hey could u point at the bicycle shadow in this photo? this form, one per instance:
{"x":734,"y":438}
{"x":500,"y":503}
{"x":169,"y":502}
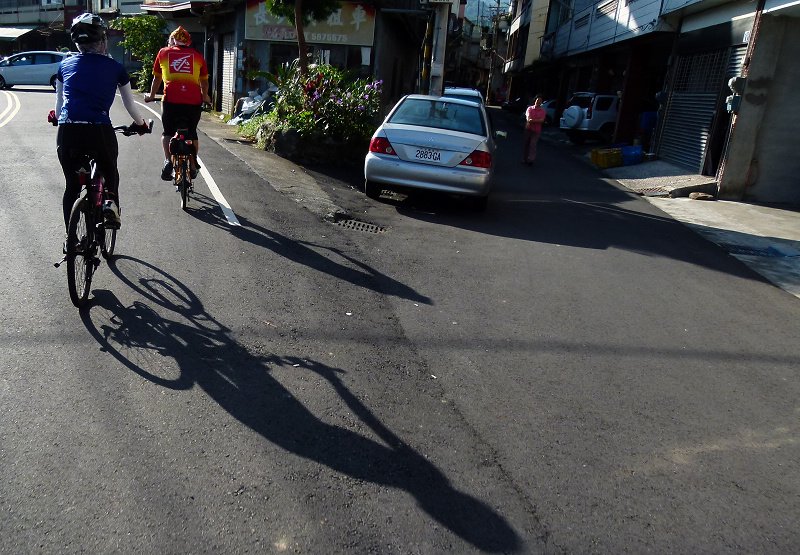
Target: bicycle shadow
{"x":307,"y":253}
{"x":242,"y":384}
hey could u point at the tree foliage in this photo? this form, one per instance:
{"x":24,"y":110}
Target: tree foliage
{"x":300,"y":13}
{"x":144,"y":36}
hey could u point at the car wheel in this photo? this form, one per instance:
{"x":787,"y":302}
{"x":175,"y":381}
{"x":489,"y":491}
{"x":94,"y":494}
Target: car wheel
{"x":479,"y":204}
{"x":2,"y":83}
{"x":607,"y":133}
{"x":53,"y":82}
{"x":576,"y":138}
{"x":372,"y":190}
{"x":572,"y":116}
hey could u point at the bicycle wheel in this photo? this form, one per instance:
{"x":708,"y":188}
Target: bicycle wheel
{"x":80,"y":262}
{"x":109,"y":242}
{"x":184,"y":185}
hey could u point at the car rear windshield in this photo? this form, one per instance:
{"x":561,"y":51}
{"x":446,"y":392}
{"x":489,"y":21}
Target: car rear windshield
{"x":582,"y":101}
{"x":440,"y":114}
{"x":470,"y":97}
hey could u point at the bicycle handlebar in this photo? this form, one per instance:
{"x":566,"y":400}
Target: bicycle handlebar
{"x":126,"y":130}
{"x":133,"y":129}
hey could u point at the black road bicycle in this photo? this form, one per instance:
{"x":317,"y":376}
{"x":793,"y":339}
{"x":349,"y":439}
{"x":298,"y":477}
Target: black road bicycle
{"x":88,"y":231}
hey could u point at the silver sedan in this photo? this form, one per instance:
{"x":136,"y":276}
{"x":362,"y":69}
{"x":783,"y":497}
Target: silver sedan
{"x":433,"y":143}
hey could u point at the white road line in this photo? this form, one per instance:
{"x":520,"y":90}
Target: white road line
{"x":223,"y":204}
{"x":13,"y":107}
{"x":212,"y":185}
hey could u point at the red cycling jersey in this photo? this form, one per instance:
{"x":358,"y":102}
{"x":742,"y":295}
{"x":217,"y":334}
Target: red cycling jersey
{"x":182,"y":69}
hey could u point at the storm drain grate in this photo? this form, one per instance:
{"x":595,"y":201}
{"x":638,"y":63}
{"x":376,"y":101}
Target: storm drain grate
{"x":653,"y":192}
{"x":360,"y":226}
{"x":753,"y":251}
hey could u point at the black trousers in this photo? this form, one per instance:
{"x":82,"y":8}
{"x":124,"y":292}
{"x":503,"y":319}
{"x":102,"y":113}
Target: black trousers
{"x":75,"y":140}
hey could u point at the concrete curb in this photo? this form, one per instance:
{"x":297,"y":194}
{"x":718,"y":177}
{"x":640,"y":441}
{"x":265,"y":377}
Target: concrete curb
{"x":283,"y":175}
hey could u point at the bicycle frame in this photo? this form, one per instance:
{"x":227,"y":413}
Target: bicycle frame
{"x":181,"y":153}
{"x":87,"y":229}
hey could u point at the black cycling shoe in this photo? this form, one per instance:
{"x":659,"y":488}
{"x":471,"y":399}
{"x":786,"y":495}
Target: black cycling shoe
{"x":193,"y":172}
{"x":166,"y":171}
{"x":77,"y":250}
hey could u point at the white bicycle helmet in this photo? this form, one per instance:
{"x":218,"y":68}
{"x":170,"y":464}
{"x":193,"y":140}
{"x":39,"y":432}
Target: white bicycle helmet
{"x":87,"y":28}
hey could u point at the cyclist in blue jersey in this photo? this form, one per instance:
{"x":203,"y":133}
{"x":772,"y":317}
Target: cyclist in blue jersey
{"x":86,"y":85}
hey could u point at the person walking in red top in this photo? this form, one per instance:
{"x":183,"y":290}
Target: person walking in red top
{"x":534,"y":118}
{"x":184,"y":73}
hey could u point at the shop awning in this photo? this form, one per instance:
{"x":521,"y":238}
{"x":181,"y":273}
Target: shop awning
{"x":13,"y":33}
{"x":190,"y":7}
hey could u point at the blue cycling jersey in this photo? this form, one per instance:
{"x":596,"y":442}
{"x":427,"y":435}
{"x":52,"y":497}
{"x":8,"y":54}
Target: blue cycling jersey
{"x":90,"y":83}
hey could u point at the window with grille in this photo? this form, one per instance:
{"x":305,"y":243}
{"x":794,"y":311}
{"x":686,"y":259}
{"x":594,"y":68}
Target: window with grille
{"x":701,"y":73}
{"x":606,"y":10}
{"x":582,"y":21}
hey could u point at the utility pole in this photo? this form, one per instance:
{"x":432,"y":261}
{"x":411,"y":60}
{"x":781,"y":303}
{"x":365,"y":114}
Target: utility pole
{"x":427,"y":55}
{"x":442,"y":19}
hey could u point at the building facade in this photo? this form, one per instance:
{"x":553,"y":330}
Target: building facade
{"x":677,"y":58}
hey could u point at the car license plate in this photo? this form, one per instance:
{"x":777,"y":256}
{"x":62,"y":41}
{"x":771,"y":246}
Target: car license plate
{"x":428,"y":154}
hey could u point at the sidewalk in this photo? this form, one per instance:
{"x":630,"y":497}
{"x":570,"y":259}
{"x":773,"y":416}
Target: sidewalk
{"x":767,"y":239}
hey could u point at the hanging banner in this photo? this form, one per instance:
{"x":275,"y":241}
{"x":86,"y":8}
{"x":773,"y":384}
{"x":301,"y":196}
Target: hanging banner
{"x":352,"y":24}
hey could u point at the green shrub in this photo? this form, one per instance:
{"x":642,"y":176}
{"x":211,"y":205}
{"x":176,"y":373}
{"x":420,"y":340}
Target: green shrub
{"x":327,"y":105}
{"x":250,"y":128}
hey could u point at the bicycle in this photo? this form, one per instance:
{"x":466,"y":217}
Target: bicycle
{"x":88,"y":231}
{"x":181,"y":151}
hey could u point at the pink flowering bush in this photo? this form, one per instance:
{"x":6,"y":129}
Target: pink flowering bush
{"x":327,"y":103}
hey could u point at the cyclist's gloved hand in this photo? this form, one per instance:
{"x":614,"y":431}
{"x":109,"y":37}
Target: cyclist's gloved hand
{"x":51,"y":118}
{"x":140,"y":129}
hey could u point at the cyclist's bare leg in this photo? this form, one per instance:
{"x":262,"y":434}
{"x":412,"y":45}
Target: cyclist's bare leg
{"x":165,"y":146}
{"x":194,"y":163}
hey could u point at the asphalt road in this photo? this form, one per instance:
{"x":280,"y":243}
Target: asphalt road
{"x":571,"y":371}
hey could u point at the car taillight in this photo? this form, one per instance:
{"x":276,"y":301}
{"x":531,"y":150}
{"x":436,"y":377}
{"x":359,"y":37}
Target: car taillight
{"x":478,"y":159}
{"x":381,"y":145}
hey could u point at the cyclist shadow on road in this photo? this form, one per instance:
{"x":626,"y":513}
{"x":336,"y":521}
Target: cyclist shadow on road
{"x":242,"y":383}
{"x":309,"y":254}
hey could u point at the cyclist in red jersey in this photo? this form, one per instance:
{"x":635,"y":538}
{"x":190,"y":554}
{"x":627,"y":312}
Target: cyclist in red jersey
{"x":184,"y":73}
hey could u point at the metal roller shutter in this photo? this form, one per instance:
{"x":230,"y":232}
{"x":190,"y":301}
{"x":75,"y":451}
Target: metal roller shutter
{"x":690,"y":108}
{"x":228,"y":73}
{"x":736,"y":61}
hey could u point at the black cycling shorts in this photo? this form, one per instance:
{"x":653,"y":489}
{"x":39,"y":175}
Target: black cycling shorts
{"x":180,"y":116}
